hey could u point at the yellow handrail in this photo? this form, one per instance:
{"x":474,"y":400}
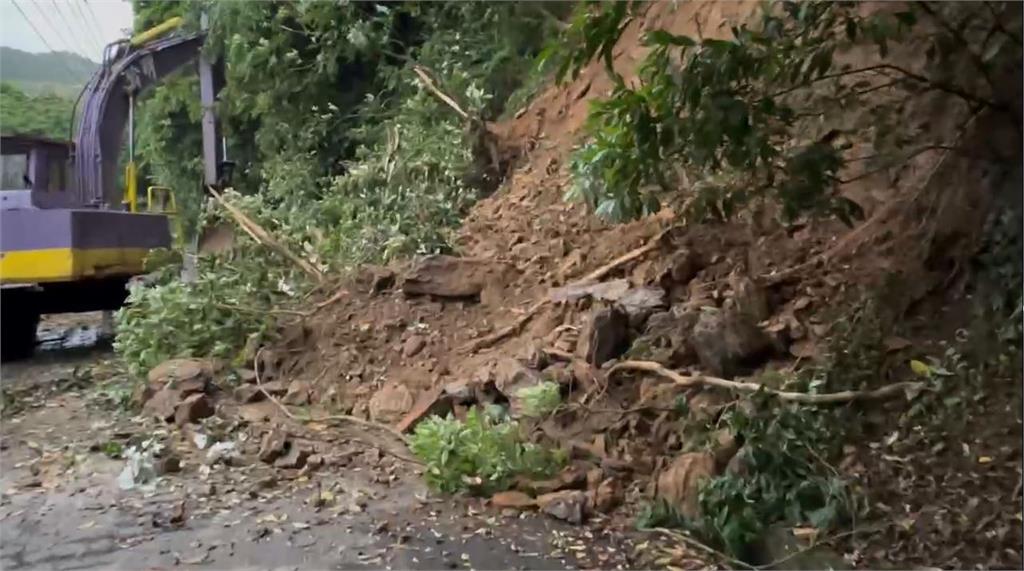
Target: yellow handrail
{"x":170,"y":195}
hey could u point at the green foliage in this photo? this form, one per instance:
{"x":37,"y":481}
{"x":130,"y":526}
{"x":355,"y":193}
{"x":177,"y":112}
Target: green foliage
{"x":540,"y":400}
{"x":113,"y":449}
{"x":342,"y":155}
{"x":756,"y":117}
{"x":46,"y":115}
{"x":659,"y":513}
{"x":786,"y":480}
{"x":211,"y":317}
{"x":483,"y":454}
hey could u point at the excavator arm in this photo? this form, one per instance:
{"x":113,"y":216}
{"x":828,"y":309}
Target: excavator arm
{"x":131,"y":67}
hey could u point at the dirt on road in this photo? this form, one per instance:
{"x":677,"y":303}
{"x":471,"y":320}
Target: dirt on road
{"x":67,"y":438}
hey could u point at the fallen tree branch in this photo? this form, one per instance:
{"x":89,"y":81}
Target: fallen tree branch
{"x":558,"y":354}
{"x":428,"y":82}
{"x":263,"y":237}
{"x":748,"y":387}
{"x":338,"y":417}
{"x":504,"y":332}
{"x":653,"y":244}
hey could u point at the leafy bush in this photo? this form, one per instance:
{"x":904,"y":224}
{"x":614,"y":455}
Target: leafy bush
{"x":342,"y":155}
{"x":786,"y":479}
{"x":483,"y":454}
{"x":540,"y":400}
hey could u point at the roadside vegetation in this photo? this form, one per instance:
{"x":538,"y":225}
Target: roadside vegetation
{"x":344,"y":155}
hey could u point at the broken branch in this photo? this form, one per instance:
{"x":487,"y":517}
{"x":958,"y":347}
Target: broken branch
{"x":263,"y":237}
{"x":504,"y":332}
{"x":748,"y":387}
{"x":428,"y":82}
{"x":610,"y":267}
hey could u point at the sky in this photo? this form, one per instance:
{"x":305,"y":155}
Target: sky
{"x":80,"y":26}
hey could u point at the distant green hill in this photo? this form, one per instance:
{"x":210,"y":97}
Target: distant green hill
{"x":48,"y":114}
{"x":62,"y":73}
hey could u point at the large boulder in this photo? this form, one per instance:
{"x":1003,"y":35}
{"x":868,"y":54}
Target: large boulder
{"x":728,"y":342}
{"x":605,"y":336}
{"x":190,"y":375}
{"x":666,"y":339}
{"x":640,"y":303}
{"x":390,"y":403}
{"x":450,"y":276}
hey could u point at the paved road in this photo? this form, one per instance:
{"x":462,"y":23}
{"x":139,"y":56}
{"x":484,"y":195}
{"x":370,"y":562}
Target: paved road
{"x":61,"y":507}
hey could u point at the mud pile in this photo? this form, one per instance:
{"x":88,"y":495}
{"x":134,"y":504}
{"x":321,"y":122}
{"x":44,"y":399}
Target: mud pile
{"x":539,"y":290}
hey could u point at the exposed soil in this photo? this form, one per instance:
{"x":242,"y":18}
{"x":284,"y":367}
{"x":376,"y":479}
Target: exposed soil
{"x":942,"y":490}
{"x":377,"y":339}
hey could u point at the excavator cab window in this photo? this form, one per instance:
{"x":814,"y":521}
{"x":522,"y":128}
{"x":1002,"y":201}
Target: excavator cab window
{"x":14,"y":172}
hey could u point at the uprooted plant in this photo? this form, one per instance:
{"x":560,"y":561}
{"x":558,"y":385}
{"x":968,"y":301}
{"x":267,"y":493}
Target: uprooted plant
{"x":772,"y":112}
{"x":482,"y":454}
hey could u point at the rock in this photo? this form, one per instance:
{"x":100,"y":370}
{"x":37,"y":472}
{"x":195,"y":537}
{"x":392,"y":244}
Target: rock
{"x":683,"y":266}
{"x":181,"y":370}
{"x":726,"y":342}
{"x":413,"y":345}
{"x":572,"y":506}
{"x":193,"y":409}
{"x":390,"y":403}
{"x":605,"y":336}
{"x":273,"y":445}
{"x":572,"y":477}
{"x":666,"y":339}
{"x":449,"y":276}
{"x":606,"y":496}
{"x":167,"y":465}
{"x":512,"y":499}
{"x":222,"y":453}
{"x":430,"y":403}
{"x":298,"y":393}
{"x":296,"y":456}
{"x":246,"y":375}
{"x":143,"y":392}
{"x":511,"y":375}
{"x":245,"y":394}
{"x":679,"y":483}
{"x":163,"y":404}
{"x":594,"y":478}
{"x":749,"y":298}
{"x":606,"y":291}
{"x":640,"y":303}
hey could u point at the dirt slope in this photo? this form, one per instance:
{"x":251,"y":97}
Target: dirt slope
{"x":376,"y":352}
